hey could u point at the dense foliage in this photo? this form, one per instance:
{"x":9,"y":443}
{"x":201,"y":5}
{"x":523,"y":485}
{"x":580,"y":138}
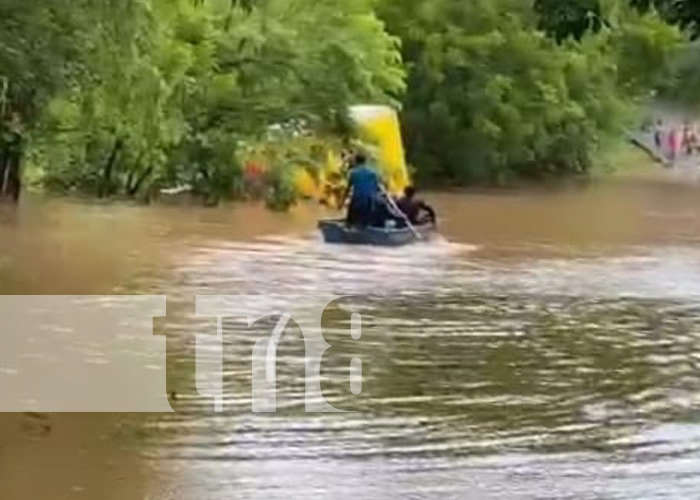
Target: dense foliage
{"x":128,"y":97}
{"x":123,"y":96}
{"x":564,"y":19}
{"x":573,"y":19}
{"x":491,"y":98}
{"x":685,"y":13}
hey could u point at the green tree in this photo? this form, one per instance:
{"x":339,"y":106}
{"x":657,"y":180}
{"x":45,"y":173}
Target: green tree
{"x":491,"y":99}
{"x":171,"y":91}
{"x":40,"y":48}
{"x":297,"y":64}
{"x":562,"y":19}
{"x":684,"y":13}
{"x":126,"y":97}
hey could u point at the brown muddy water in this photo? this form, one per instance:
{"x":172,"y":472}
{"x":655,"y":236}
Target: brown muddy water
{"x":547,"y":348}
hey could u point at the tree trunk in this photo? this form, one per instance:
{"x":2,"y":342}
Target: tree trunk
{"x":129,"y":182}
{"x":11,"y":169}
{"x":106,"y":183}
{"x":13,"y":175}
{"x":133,"y":190}
{"x":3,"y":172}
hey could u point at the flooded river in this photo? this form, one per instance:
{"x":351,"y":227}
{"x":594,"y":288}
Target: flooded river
{"x":547,"y":348}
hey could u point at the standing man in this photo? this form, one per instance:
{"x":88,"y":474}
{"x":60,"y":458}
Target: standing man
{"x":364,"y":186}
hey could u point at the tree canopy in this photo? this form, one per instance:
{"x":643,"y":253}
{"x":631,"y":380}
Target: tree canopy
{"x":125,"y":97}
{"x":120,"y":95}
{"x":491,"y":97}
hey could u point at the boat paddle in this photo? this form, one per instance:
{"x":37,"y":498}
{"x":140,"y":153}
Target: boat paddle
{"x":398,"y":212}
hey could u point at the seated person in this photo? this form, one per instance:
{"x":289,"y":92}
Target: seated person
{"x":417,"y":212}
{"x":386,"y":214}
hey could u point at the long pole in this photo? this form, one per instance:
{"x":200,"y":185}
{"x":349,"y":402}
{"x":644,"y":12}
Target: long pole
{"x":392,"y":204}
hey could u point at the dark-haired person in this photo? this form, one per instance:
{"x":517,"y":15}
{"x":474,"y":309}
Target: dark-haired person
{"x":364,"y":188}
{"x":659,"y":135}
{"x":417,"y":211}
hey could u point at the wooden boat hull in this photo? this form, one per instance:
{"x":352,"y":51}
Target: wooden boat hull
{"x":337,"y":232}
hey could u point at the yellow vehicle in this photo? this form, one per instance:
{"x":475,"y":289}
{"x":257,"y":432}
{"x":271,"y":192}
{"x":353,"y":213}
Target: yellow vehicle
{"x":379,"y":131}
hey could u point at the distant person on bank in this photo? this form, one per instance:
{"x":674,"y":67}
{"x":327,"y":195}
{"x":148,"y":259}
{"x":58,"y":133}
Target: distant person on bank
{"x":659,"y":135}
{"x":674,"y":143}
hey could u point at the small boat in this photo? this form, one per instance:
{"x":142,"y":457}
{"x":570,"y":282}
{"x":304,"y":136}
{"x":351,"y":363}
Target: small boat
{"x":338,"y":232}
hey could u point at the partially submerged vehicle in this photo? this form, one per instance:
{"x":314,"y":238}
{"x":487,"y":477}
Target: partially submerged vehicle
{"x":378,"y":126}
{"x":378,"y":131}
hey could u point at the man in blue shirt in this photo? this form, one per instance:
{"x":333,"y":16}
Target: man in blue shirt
{"x":364,"y":184}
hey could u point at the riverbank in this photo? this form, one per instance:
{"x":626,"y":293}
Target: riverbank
{"x":616,"y":160}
